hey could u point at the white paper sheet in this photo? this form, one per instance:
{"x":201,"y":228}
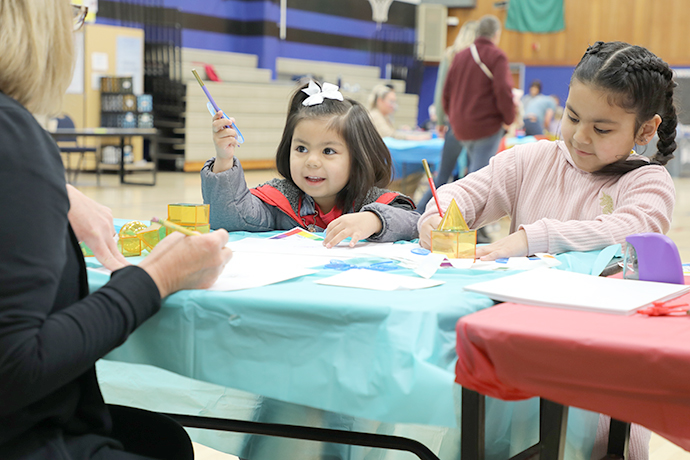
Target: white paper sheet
{"x":561,"y":289}
{"x":379,"y":281}
{"x":289,"y":246}
{"x":247,"y":270}
{"x":541,"y":260}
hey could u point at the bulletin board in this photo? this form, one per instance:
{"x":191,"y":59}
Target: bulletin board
{"x":105,"y":51}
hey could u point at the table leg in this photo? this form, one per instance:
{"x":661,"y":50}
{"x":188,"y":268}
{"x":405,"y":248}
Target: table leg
{"x":153,"y":146}
{"x":553,"y":422}
{"x":154,"y":156}
{"x":122,"y":160}
{"x":472,"y":425}
{"x":619,"y":438}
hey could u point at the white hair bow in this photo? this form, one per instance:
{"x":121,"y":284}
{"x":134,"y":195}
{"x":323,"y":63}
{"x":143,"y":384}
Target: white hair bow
{"x":317,"y":95}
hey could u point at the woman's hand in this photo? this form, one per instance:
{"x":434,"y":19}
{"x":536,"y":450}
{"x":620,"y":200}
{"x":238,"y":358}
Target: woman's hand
{"x":225,"y":140}
{"x":425,"y":230}
{"x":357,"y":226}
{"x":93,"y":224}
{"x":187,"y":262}
{"x":514,"y":245}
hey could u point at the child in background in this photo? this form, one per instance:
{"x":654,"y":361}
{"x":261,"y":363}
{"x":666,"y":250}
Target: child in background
{"x":588,"y":190}
{"x":333,"y":162}
{"x":554,"y":128}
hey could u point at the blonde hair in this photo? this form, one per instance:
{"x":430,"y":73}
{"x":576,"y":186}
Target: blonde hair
{"x":37,"y":52}
{"x":378,"y":92}
{"x":466,"y":36}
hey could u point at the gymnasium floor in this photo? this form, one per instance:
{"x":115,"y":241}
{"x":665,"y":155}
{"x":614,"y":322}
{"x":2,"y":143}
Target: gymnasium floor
{"x":142,"y":202}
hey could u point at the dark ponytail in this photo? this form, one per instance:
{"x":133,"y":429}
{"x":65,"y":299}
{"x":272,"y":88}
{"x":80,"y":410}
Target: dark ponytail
{"x":667,"y":129}
{"x":640,"y":82}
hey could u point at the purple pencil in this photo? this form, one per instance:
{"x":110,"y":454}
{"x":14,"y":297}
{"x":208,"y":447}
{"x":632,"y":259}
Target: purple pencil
{"x":240,"y":137}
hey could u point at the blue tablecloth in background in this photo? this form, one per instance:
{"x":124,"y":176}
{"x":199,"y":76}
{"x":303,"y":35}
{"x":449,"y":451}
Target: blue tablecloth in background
{"x":407,"y":155}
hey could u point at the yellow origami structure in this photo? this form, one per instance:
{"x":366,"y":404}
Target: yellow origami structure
{"x":453,"y":238}
{"x":151,"y":235}
{"x":129,"y":243}
{"x":191,"y":216}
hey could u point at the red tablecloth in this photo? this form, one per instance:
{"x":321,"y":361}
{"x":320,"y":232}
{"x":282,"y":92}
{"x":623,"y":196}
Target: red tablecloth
{"x":633,"y":368}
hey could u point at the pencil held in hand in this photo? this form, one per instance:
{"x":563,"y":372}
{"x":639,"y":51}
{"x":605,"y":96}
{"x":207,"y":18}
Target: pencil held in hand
{"x":172,"y":226}
{"x":431,"y":184}
{"x":213,"y":107}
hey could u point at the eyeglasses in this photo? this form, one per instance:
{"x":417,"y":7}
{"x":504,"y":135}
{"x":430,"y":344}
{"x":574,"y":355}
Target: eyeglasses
{"x":79,"y":13}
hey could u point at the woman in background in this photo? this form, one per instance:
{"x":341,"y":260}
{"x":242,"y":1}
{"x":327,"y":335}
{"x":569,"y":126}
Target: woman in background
{"x":451,"y":147}
{"x":382,"y":104}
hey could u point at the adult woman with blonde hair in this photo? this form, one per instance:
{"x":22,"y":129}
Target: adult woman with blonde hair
{"x":52,"y":331}
{"x":451,"y":147}
{"x":382,"y":104}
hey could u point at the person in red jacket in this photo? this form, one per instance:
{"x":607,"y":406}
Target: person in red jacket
{"x":477,"y":97}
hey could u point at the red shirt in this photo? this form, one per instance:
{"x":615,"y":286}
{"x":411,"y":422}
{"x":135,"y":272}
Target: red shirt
{"x":319,"y":219}
{"x":477,"y":106}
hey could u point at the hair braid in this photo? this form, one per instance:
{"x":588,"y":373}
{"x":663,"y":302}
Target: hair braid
{"x":639,"y":82}
{"x":594,"y":49}
{"x":667,"y":129}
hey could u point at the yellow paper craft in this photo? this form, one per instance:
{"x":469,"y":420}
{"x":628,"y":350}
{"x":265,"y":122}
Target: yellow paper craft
{"x":151,"y":235}
{"x":129,"y":243}
{"x":453,"y":238}
{"x":199,"y":228}
{"x":191,"y":216}
{"x":453,"y":219}
{"x":188,"y":214}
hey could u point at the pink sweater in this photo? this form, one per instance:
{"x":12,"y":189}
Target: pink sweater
{"x":561,"y":207}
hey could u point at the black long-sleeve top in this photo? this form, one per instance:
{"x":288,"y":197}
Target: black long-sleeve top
{"x":51,"y":331}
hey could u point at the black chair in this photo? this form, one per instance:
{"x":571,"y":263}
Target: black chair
{"x":69,"y":145}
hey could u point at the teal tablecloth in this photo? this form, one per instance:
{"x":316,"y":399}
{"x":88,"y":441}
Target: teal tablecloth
{"x":407,"y":155}
{"x":367,"y":355}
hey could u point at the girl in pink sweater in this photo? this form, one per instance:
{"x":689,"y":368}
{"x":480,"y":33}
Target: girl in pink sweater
{"x":590,"y":189}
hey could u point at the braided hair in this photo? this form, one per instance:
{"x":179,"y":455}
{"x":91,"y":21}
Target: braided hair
{"x":640,"y":82}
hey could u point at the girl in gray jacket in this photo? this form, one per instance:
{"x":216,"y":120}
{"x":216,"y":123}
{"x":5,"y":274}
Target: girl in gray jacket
{"x":333,"y":164}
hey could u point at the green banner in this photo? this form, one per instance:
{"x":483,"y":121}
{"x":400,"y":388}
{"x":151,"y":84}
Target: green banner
{"x":541,"y":16}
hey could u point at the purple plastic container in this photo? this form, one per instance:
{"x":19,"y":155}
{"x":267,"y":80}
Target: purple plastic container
{"x":652,"y":257}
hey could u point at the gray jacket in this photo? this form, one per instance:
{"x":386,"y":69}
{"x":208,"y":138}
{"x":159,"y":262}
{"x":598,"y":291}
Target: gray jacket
{"x":235,"y":208}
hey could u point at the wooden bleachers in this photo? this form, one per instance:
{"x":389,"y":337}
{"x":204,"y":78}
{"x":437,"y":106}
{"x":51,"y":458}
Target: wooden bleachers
{"x":350,"y":75}
{"x":228,"y":66}
{"x":259,"y":109}
{"x":259,"y":104}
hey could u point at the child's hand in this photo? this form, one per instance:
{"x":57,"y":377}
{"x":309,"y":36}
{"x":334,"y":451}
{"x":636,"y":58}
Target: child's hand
{"x":225,"y":140}
{"x":514,"y":245}
{"x":357,"y":226}
{"x":425,"y":230}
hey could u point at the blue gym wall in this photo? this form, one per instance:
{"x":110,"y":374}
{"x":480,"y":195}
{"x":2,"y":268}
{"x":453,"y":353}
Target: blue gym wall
{"x":554,"y":80}
{"x":333,"y":31}
{"x":339,"y":31}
